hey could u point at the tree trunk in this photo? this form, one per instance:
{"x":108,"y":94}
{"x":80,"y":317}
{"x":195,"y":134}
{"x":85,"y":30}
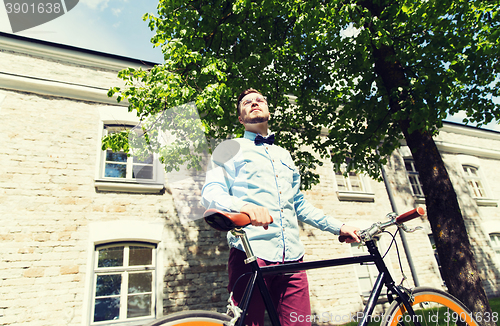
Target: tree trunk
{"x":448,"y":228}
{"x":459,"y":266}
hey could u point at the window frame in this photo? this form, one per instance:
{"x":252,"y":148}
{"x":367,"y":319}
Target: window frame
{"x":415,"y":175}
{"x":124,"y":271}
{"x":495,"y":244}
{"x":128,"y":184}
{"x":372,"y":272}
{"x":432,"y":242}
{"x":348,"y":181}
{"x":474,"y":162}
{"x":365,"y":194}
{"x":474,"y":181}
{"x":129,"y":160}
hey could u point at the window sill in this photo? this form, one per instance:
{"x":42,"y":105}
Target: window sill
{"x":419,"y":199}
{"x":355,"y":196}
{"x":137,"y":322}
{"x":486,"y":202}
{"x":133,"y":187}
{"x":479,"y":201}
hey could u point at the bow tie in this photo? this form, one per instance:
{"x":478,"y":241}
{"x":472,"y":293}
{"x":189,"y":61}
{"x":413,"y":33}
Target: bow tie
{"x":261,"y":140}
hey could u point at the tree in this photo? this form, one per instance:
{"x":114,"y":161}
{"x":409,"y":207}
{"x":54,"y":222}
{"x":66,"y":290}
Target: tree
{"x":370,"y":72}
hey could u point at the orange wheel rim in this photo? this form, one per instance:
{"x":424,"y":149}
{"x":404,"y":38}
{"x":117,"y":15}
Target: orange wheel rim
{"x":437,"y":299}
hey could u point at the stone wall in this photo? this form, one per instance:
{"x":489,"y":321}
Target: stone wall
{"x":49,"y":207}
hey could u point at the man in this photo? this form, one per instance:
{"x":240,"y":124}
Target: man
{"x":253,"y":176}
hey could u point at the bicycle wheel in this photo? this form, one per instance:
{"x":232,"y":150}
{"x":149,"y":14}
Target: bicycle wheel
{"x":192,"y":318}
{"x":432,"y":307}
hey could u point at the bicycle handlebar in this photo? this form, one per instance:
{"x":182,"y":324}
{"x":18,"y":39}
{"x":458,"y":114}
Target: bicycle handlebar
{"x":377,"y":228}
{"x":410,"y":215}
{"x":227,"y":221}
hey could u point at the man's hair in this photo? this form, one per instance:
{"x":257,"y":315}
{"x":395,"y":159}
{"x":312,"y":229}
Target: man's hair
{"x":242,"y":95}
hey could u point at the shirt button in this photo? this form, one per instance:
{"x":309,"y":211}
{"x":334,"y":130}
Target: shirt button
{"x":276,"y":175}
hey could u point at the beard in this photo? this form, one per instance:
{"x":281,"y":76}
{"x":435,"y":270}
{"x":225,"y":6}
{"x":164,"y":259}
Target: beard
{"x":255,"y":120}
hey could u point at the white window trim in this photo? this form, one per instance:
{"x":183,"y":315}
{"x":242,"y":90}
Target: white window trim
{"x":415,"y":174}
{"x":473,"y":161}
{"x":492,"y":227}
{"x":365,"y":196}
{"x":125,"y":270}
{"x":355,"y":196}
{"x":115,"y":115}
{"x":123,"y":231}
{"x":494,"y":247}
{"x":406,"y":154}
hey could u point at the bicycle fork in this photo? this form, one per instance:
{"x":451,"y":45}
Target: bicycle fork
{"x":384,"y":277}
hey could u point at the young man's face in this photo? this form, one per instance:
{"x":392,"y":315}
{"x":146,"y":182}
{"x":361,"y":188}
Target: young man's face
{"x":253,"y":109}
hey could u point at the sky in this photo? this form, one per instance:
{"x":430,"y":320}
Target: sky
{"x":111,"y":26}
{"x":116,"y":27}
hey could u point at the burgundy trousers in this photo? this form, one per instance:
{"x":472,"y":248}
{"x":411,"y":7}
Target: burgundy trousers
{"x":289,"y":292}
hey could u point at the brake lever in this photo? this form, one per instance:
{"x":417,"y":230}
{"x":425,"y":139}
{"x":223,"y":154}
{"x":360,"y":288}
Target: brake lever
{"x":408,"y":230}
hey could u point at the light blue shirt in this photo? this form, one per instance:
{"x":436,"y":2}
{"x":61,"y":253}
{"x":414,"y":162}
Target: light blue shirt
{"x":241,"y":172}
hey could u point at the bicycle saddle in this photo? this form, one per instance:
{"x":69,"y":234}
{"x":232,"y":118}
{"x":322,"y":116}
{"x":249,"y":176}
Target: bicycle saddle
{"x":225,"y":221}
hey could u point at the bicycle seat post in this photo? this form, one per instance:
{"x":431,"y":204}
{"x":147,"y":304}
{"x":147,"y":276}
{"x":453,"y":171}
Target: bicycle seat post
{"x":238,"y":232}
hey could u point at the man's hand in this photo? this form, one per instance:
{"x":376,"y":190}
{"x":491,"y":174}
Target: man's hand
{"x":350,"y":233}
{"x":259,"y":216}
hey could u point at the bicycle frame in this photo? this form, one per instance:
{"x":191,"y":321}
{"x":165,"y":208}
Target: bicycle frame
{"x":384,"y":278}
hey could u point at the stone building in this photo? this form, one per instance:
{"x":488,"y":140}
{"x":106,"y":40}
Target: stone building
{"x":90,"y":237}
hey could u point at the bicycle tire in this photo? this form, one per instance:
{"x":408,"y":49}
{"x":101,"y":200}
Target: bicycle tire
{"x":432,"y":307}
{"x":192,"y":318}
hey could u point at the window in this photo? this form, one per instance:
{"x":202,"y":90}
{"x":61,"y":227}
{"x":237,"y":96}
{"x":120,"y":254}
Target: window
{"x":124,"y":283}
{"x":474,"y":180}
{"x":477,"y":184}
{"x":436,"y":256}
{"x":495,"y":242}
{"x":366,"y":273}
{"x":351,"y":182}
{"x":120,"y":166}
{"x":120,"y":172}
{"x":412,"y":173}
{"x":352,"y":186}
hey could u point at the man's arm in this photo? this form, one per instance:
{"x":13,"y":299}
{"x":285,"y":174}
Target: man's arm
{"x":216,"y":191}
{"x":220,"y":177}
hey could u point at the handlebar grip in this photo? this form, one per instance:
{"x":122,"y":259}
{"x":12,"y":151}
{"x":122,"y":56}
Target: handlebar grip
{"x":343,"y":238}
{"x":226,"y":221}
{"x":414,"y":213}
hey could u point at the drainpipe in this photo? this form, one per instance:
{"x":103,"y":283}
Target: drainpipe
{"x":401,"y":233}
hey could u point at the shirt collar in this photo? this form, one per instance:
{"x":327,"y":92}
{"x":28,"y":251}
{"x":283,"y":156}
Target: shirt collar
{"x":251,"y":135}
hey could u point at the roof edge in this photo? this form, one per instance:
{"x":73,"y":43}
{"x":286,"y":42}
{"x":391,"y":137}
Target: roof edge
{"x":69,"y":53}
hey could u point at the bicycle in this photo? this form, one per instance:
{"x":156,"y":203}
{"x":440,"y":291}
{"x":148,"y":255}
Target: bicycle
{"x":418,"y":306}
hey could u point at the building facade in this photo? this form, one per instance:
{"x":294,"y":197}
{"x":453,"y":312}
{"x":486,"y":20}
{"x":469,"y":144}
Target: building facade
{"x":91,"y":237}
